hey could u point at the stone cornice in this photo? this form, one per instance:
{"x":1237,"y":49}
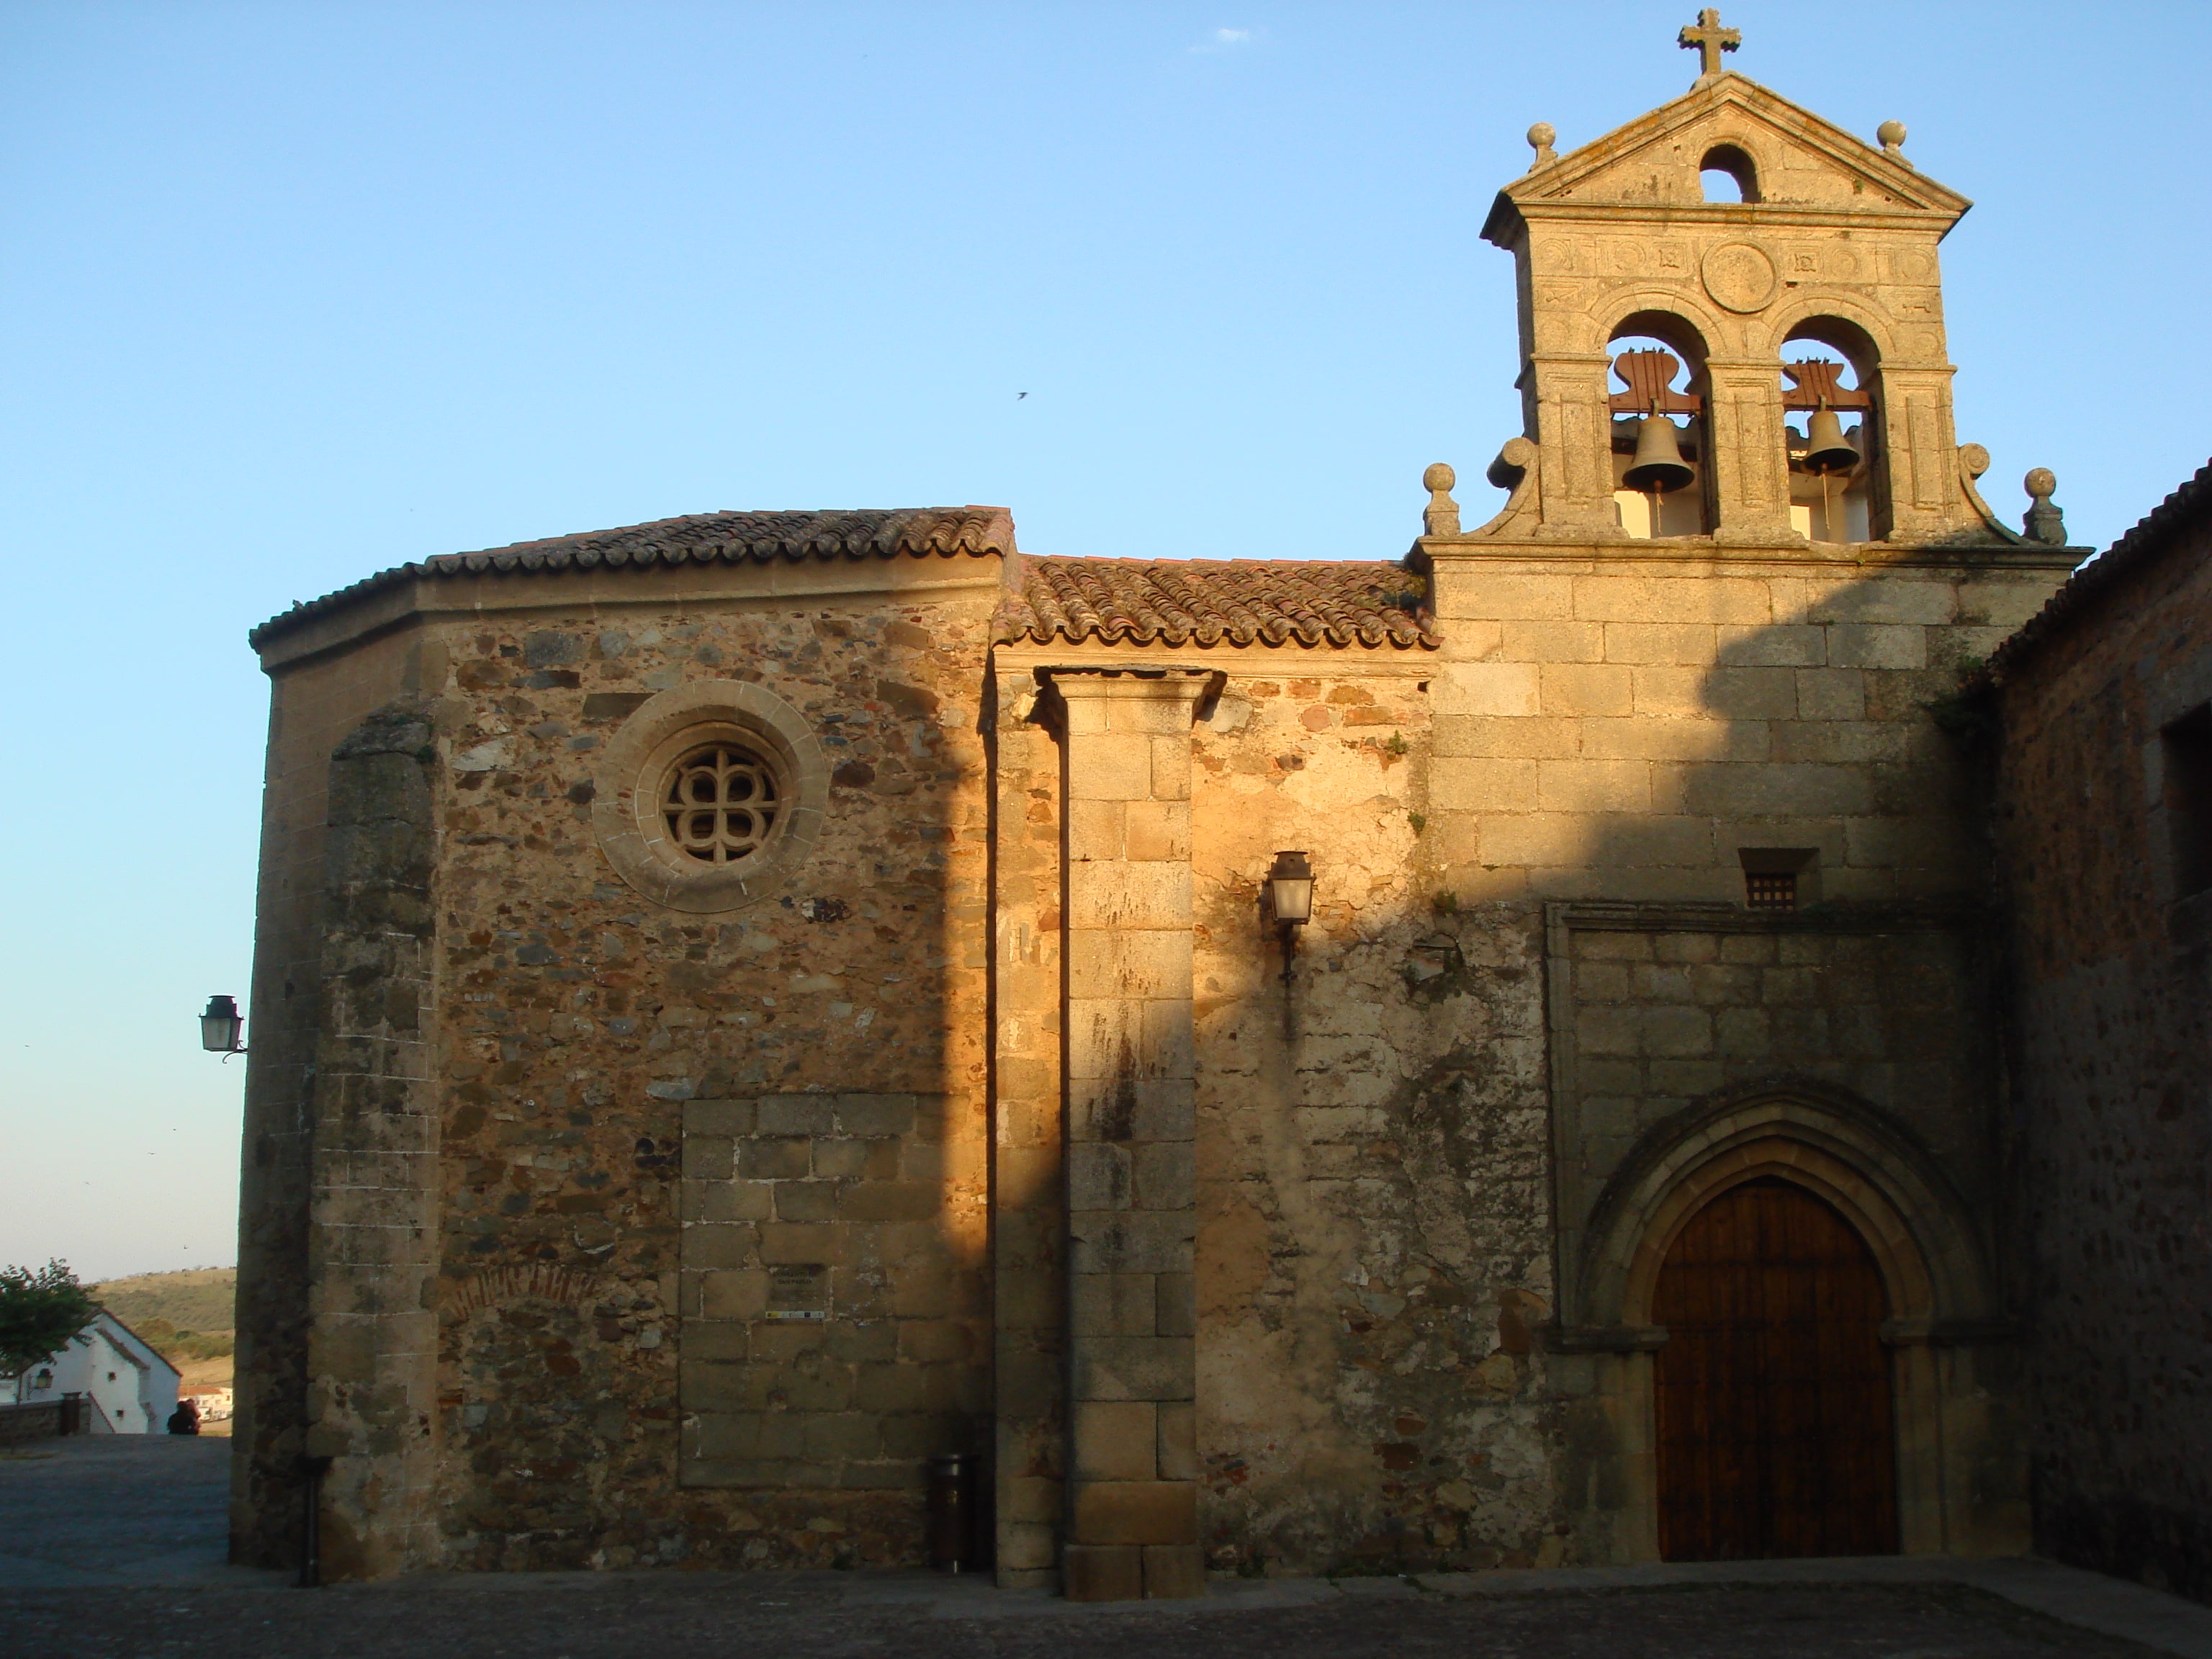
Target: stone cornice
{"x":1761,"y":557}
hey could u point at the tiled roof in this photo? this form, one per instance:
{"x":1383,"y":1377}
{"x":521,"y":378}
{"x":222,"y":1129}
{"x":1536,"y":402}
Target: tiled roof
{"x":2153,"y":534}
{"x":704,"y":538}
{"x":1206,"y":601}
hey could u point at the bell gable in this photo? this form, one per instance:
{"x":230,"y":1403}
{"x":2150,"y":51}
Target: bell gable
{"x":1825,"y":238}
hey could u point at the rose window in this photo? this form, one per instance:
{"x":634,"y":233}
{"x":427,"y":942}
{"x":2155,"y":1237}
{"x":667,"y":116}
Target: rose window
{"x":719,"y":804}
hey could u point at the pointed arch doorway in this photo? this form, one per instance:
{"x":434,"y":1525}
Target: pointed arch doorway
{"x":1775,"y":1412}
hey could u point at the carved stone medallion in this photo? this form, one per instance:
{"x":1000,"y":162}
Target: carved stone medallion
{"x":1739,"y":276}
{"x":1908,"y":264}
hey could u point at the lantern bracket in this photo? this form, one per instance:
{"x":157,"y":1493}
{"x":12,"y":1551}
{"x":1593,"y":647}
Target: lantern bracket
{"x":1290,"y":900}
{"x":220,"y":1027}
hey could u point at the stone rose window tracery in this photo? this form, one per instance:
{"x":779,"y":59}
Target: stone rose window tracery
{"x":720,"y":802}
{"x":711,"y":796}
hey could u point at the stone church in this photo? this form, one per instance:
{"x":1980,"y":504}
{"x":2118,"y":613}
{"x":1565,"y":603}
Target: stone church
{"x":1494,"y":1056}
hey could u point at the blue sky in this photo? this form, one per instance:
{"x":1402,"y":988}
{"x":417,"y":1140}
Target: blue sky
{"x":293,"y":292}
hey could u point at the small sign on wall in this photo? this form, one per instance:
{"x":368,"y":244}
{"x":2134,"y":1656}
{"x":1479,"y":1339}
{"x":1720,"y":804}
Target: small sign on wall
{"x":797,"y":1292}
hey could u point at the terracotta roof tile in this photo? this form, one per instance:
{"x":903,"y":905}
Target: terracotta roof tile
{"x":704,"y":538}
{"x":1206,"y":601}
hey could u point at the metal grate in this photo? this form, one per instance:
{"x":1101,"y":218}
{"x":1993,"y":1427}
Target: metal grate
{"x":1763,"y":891}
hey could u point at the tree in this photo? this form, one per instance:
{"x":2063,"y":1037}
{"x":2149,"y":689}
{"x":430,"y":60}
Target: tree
{"x":40,"y":1311}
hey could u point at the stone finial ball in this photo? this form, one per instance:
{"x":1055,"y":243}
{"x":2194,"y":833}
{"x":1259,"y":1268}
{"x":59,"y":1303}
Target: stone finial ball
{"x":1541,"y":134}
{"x":1439,"y":476}
{"x":1892,"y":134}
{"x":2040,"y":482}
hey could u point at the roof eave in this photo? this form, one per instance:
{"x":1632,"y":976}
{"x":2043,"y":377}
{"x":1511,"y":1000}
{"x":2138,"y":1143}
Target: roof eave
{"x":2156,"y":535}
{"x":972,"y":531}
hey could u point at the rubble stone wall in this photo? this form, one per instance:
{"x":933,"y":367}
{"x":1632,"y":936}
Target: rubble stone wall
{"x":2113,"y":971}
{"x":661,"y":1130}
{"x":666,"y":1131}
{"x":1373,"y":1239}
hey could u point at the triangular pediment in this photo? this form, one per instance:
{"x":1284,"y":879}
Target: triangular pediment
{"x":1803,"y":162}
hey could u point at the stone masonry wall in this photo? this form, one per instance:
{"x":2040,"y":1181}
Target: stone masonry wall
{"x":1662,"y":1014}
{"x":313,"y":706}
{"x":1028,"y":1214}
{"x":1373,"y":1243}
{"x":816,"y":1061}
{"x":712,"y":1278}
{"x":1876,"y":1022}
{"x":2115,"y":1052}
{"x":1130,"y":1159}
{"x":373,"y":1252}
{"x":801,"y":1368}
{"x":1619,"y":728}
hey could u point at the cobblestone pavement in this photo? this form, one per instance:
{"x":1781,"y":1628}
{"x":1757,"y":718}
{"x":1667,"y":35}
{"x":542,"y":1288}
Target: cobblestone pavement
{"x":113,"y":1546}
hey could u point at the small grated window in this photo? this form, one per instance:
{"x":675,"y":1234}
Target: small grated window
{"x":1765,"y":891}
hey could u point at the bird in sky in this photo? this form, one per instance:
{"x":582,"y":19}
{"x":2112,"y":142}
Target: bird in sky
{"x":1018,"y":396}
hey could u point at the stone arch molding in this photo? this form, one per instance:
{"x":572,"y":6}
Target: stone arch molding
{"x":1597,"y":328}
{"x":1829,"y":1142}
{"x":624,"y":816}
{"x":495,"y":1289}
{"x":1795,"y":311}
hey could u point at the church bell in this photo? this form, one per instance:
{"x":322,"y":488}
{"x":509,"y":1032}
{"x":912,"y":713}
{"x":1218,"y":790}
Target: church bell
{"x":1659,"y":468}
{"x":1827,"y":450}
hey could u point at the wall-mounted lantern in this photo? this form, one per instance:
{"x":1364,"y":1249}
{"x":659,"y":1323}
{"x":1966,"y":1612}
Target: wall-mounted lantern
{"x":220,"y":1027}
{"x":1289,"y":895}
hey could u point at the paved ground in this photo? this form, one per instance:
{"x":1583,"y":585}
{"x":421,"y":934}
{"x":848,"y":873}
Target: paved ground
{"x":113,"y":1547}
{"x":107,"y":1509}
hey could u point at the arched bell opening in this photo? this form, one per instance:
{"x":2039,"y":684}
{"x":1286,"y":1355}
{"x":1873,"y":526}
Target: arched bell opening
{"x":1660,"y":480}
{"x":1727,"y":174}
{"x":1831,"y":431}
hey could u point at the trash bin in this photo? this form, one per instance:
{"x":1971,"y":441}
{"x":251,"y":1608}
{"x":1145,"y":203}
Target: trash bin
{"x":952,"y":1512}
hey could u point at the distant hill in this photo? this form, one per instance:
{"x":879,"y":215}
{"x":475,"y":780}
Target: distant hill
{"x":197,"y":1299}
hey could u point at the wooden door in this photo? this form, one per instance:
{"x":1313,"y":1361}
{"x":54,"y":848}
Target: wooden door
{"x":1774,"y":1404}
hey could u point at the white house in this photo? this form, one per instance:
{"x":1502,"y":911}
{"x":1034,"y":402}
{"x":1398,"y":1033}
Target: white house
{"x":132,"y":1388}
{"x":214,"y":1403}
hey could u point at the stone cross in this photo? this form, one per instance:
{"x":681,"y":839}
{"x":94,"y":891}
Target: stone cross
{"x":1710,"y":39}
